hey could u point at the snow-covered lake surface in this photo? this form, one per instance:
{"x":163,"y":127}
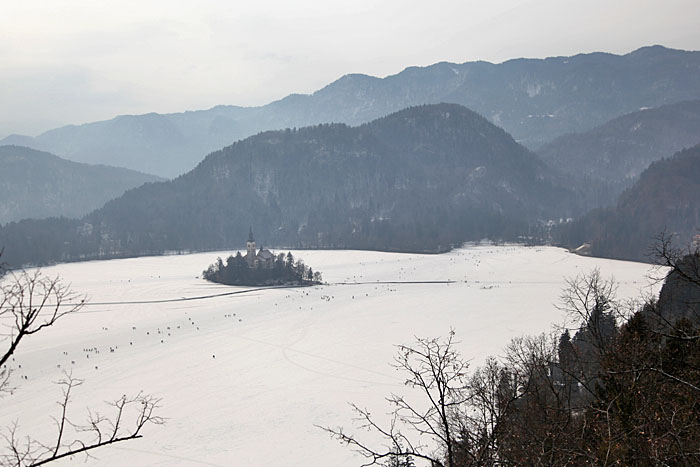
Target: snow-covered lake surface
{"x":245,"y":378}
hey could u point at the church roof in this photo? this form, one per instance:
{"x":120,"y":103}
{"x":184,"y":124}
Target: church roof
{"x":250,"y":235}
{"x":265,"y":254}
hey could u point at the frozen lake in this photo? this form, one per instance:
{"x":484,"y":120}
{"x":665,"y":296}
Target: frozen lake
{"x":245,"y":378}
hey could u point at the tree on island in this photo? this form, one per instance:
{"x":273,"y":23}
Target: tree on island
{"x":283,"y":271}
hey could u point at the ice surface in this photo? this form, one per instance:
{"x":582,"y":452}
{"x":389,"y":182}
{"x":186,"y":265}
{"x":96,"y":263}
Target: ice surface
{"x":245,"y":378}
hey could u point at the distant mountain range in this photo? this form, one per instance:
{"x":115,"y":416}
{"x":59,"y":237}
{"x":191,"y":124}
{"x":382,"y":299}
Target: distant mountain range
{"x":666,"y":198}
{"x":534,"y":100}
{"x":420,"y":179}
{"x":607,"y":159}
{"x":35,"y":184}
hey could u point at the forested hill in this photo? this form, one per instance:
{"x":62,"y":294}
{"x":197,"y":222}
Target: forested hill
{"x":609,"y":158}
{"x":38,"y":184}
{"x":420,"y":179}
{"x":666,"y":198}
{"x":533,"y":99}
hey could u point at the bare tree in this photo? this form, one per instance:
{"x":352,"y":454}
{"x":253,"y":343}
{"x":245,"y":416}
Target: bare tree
{"x":424,"y":430}
{"x":591,"y":302}
{"x":31,"y":303}
{"x":680,"y":296}
{"x":665,"y":252}
{"x":456,"y":420}
{"x":493,"y":390}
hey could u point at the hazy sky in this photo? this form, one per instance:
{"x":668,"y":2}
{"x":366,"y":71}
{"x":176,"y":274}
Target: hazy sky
{"x":73,"y":61}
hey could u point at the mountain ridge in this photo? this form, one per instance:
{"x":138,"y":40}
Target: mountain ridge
{"x":423,"y":178}
{"x":665,"y":199}
{"x":609,"y":158}
{"x":39,"y":184}
{"x":533,"y":99}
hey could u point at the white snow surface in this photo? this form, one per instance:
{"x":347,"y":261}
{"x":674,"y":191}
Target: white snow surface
{"x":246,"y":378}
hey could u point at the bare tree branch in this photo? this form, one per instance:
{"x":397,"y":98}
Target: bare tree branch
{"x":31,"y":303}
{"x":73,"y":439}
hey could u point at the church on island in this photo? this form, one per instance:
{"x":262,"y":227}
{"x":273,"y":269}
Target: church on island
{"x":262,"y":259}
{"x":261,"y":268}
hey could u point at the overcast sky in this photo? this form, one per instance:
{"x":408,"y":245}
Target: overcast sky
{"x":74,"y":61}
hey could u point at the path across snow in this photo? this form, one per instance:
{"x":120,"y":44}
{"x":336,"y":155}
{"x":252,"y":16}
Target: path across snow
{"x":245,"y":377}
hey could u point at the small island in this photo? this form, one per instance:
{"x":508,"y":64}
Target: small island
{"x":261,"y":269}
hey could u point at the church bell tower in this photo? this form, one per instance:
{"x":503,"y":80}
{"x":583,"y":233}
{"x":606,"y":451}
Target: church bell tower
{"x":250,"y":246}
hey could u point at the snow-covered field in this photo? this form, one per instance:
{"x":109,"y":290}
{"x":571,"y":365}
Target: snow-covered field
{"x":245,"y":378}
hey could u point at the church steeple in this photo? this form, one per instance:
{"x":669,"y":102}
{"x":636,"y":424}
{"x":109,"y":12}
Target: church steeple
{"x":250,"y":247}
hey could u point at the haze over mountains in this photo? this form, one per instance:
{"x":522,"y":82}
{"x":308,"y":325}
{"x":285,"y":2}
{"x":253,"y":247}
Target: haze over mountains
{"x":666,"y":198}
{"x":609,"y":158}
{"x":534,"y":100}
{"x":35,"y":184}
{"x":421,"y":179}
